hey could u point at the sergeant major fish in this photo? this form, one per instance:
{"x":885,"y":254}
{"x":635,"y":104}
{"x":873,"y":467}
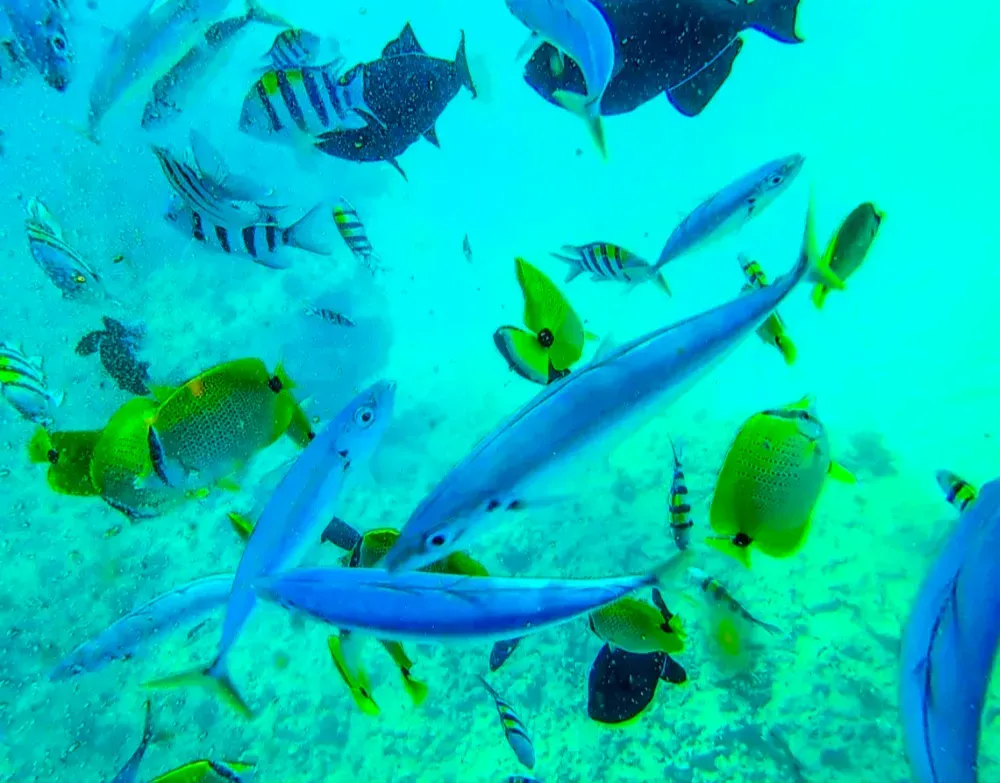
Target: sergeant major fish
{"x":959,"y":492}
{"x":23,"y":385}
{"x":513,"y":728}
{"x":353,"y":232}
{"x":293,"y":48}
{"x":264,"y":242}
{"x":172,"y":91}
{"x":579,"y":29}
{"x":679,"y":509}
{"x":292,"y":522}
{"x":606,"y":261}
{"x":39,"y":31}
{"x":501,"y":471}
{"x":64,"y":266}
{"x":731,"y":208}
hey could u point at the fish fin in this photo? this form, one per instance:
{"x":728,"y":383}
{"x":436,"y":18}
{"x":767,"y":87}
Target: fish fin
{"x":405,"y":43}
{"x":207,"y":158}
{"x":161,"y":393}
{"x":241,"y":524}
{"x":787,"y":348}
{"x":572,"y":273}
{"x":359,"y":686}
{"x":416,"y":690}
{"x":228,"y":484}
{"x":608,"y":346}
{"x":89,"y":344}
{"x":661,"y":283}
{"x":479,"y":75}
{"x":817,"y":266}
{"x":691,"y":96}
{"x":526,"y":49}
{"x":341,"y":535}
{"x":305,"y":233}
{"x":839,"y":473}
{"x":777,"y":19}
{"x":58,"y":398}
{"x":589,"y":112}
{"x":462,"y":66}
{"x":395,"y":164}
{"x":523,"y":353}
{"x":169,"y":472}
{"x":431,"y":135}
{"x":590,"y":336}
{"x":726,"y":546}
{"x":256,"y":12}
{"x":668,"y":570}
{"x":39,"y":446}
{"x":215,"y":678}
{"x":819,"y":295}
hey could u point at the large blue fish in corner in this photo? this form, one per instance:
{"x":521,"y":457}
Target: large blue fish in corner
{"x":684,"y":49}
{"x":948,"y":648}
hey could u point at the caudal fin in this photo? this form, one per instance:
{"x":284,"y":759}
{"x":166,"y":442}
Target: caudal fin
{"x":215,"y":678}
{"x":819,"y":295}
{"x":257,"y":13}
{"x":462,"y":65}
{"x":416,"y":690}
{"x":777,"y":19}
{"x":661,"y":283}
{"x":788,"y":350}
{"x":310,"y":233}
{"x":728,"y":547}
{"x":581,"y":106}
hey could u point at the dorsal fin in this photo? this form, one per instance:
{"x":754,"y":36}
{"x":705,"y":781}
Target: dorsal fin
{"x":407,"y":43}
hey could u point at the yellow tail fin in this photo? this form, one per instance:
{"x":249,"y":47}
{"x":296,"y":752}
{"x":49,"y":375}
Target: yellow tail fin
{"x":819,"y":295}
{"x":416,"y":690}
{"x":214,"y":679}
{"x":727,"y":547}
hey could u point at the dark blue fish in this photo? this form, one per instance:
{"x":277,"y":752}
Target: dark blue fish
{"x":406,"y":90}
{"x":683,"y":49}
{"x":501,"y":651}
{"x":949,"y":644}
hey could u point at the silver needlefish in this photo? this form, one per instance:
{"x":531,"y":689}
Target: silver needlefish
{"x":654,"y":369}
{"x":293,"y":521}
{"x":130,"y":772}
{"x":39,"y":31}
{"x":173,"y":90}
{"x":130,"y":634}
{"x":579,"y":29}
{"x":423,"y":606}
{"x":156,"y":38}
{"x":949,"y":645}
{"x":727,"y":211}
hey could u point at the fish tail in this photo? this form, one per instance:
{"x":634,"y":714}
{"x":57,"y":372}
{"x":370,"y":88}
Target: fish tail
{"x":728,"y":547}
{"x":811,"y":264}
{"x":258,"y":13}
{"x":787,"y":348}
{"x":819,"y":295}
{"x":771,"y":629}
{"x":777,"y":19}
{"x":589,"y":111}
{"x":668,"y":570}
{"x":307,"y":233}
{"x":661,"y":283}
{"x":241,"y":524}
{"x":215,"y":678}
{"x":462,"y":65}
{"x":357,"y":682}
{"x":40,"y":445}
{"x":415,"y":689}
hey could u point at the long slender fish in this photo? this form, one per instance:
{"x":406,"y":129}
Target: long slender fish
{"x":727,"y":211}
{"x":130,"y":772}
{"x":513,"y":728}
{"x":422,"y":606}
{"x":124,"y":638}
{"x":948,"y":649}
{"x":155,"y":39}
{"x":293,"y":521}
{"x":655,"y":368}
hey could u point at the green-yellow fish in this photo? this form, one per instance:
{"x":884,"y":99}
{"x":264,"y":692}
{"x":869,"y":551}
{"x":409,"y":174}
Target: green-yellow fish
{"x":68,"y":455}
{"x":849,"y":246}
{"x":209,"y":427}
{"x":638,"y":627}
{"x":205,"y":771}
{"x":770,"y":482}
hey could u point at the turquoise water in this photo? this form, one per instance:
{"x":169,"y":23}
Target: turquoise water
{"x":889,"y":102}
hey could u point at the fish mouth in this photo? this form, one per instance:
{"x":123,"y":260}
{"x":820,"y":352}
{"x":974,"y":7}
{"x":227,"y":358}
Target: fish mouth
{"x":57,"y":81}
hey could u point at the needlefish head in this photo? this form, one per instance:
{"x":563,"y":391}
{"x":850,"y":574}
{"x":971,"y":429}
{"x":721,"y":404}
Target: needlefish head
{"x":364,"y":421}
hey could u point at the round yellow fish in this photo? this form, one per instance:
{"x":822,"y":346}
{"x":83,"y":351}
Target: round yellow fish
{"x":770,"y":482}
{"x":637,"y":627}
{"x":850,"y":246}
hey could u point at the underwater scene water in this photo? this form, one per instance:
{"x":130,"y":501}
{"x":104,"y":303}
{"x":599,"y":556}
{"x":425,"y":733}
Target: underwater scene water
{"x":386,"y":398}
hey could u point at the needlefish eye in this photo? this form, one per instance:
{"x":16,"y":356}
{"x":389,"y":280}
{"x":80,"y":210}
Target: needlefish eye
{"x":364,"y":416}
{"x":437,"y":540}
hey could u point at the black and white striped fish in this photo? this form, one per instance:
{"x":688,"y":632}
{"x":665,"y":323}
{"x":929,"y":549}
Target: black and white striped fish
{"x":290,"y":103}
{"x":205,"y":192}
{"x":263,"y":242}
{"x":606,"y":261}
{"x":718,"y":594}
{"x":513,"y":728}
{"x":294,"y":48}
{"x":772,"y":331}
{"x":354,"y":234}
{"x":959,"y":492}
{"x":63,"y":265}
{"x":680,"y":510}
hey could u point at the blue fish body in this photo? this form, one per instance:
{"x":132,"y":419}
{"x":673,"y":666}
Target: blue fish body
{"x":426,"y":606}
{"x":572,"y":412}
{"x":948,"y":648}
{"x":732,"y":207}
{"x":39,"y":29}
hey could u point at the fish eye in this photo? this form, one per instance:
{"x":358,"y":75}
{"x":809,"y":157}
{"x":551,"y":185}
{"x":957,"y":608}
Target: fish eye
{"x":437,"y":540}
{"x":776,"y":180}
{"x":80,"y":279}
{"x":58,"y":42}
{"x":364,"y":416}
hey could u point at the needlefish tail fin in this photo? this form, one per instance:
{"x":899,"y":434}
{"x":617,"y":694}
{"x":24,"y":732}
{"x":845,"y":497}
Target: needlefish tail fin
{"x":590,"y":111}
{"x":215,"y":679}
{"x":669,"y":570}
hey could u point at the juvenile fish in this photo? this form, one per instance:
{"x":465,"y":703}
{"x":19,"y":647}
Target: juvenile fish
{"x":727,"y":211}
{"x":129,"y":635}
{"x":566,"y":416}
{"x":173,"y":90}
{"x":513,"y":728}
{"x":426,"y":606}
{"x":714,"y":590}
{"x":353,"y":232}
{"x":61,"y":263}
{"x":679,"y":508}
{"x":293,"y":521}
{"x":467,"y":249}
{"x":772,"y":331}
{"x":606,"y":261}
{"x":328,"y":315}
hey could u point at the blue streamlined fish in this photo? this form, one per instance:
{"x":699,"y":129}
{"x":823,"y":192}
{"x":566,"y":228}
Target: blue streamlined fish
{"x":579,"y":29}
{"x":730,"y":209}
{"x":655,"y":368}
{"x":39,"y":31}
{"x":513,"y":728}
{"x":124,"y":638}
{"x":293,"y":521}
{"x":426,"y":606}
{"x":949,"y":644}
{"x":130,"y":772}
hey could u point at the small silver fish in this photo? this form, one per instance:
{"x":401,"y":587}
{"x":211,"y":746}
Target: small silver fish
{"x":513,"y":728}
{"x":328,"y":315}
{"x":467,"y":249}
{"x":64,"y":266}
{"x":353,"y":232}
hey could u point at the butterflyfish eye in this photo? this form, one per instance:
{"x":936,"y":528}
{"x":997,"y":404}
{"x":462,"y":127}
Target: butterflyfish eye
{"x":546,"y":338}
